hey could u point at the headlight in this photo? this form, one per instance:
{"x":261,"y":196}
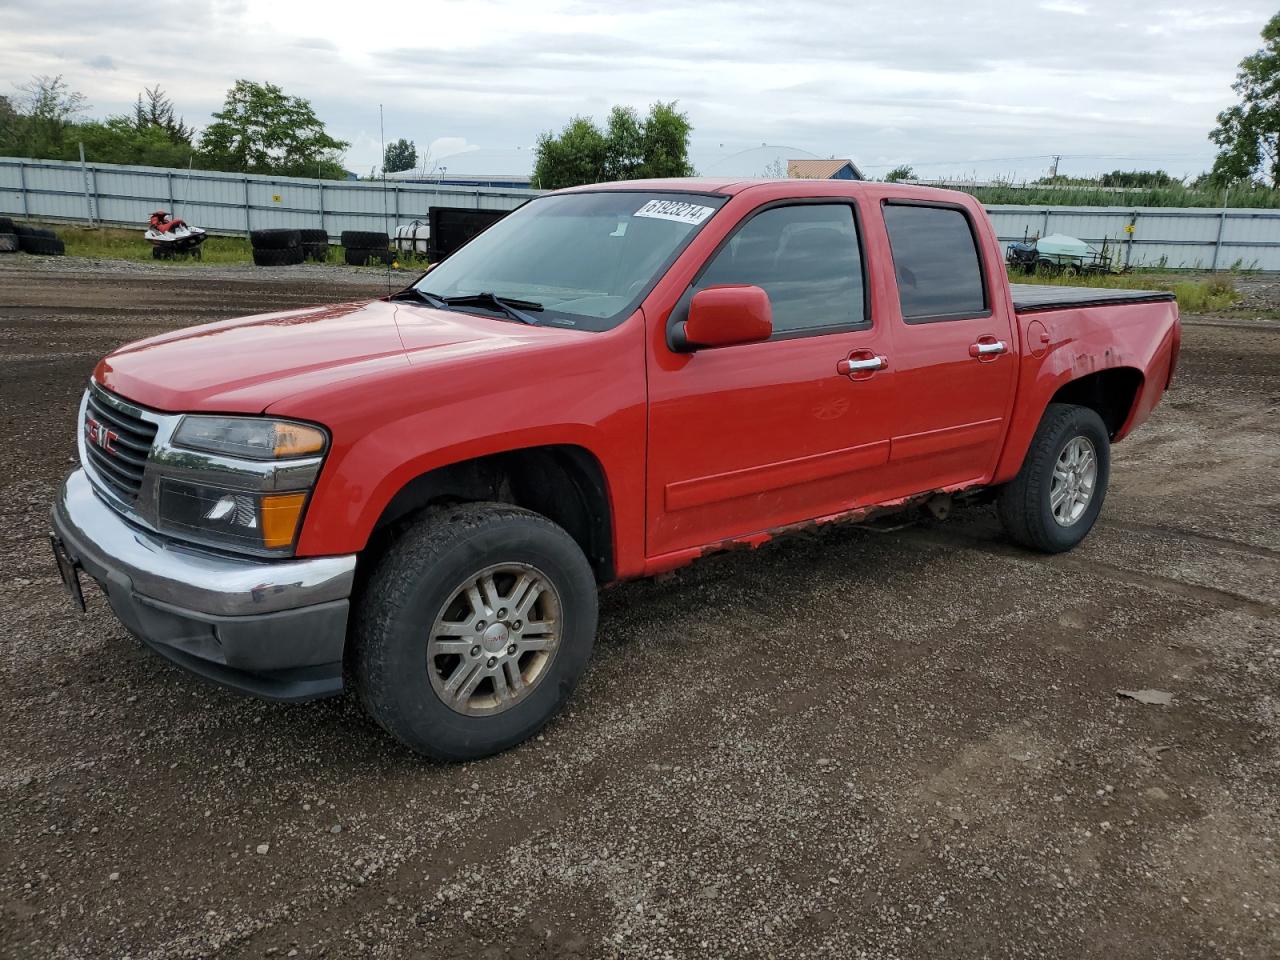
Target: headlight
{"x":241,"y":483}
{"x":236,"y":518}
{"x":255,"y":438}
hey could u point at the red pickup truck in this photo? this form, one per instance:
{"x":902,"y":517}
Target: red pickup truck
{"x":419,"y":496}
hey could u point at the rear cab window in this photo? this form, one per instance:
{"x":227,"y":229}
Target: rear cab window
{"x":936,"y":262}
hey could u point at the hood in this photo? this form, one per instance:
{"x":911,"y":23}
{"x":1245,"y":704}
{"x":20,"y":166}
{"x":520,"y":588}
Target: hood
{"x":245,"y":365}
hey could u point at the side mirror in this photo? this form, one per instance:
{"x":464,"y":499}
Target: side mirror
{"x":724,"y":316}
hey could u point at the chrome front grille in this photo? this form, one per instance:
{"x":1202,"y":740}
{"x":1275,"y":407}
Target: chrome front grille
{"x":116,"y":443}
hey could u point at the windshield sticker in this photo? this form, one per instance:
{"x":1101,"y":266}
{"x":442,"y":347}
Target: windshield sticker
{"x":676,"y":210}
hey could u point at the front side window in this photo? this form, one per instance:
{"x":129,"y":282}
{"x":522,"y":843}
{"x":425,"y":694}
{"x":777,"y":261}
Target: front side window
{"x":585,"y":259}
{"x":935,"y":258}
{"x":806,"y":257}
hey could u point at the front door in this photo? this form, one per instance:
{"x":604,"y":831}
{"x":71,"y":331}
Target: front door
{"x":754,"y":436}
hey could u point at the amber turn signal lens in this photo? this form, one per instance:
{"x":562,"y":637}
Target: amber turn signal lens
{"x":280,"y":515}
{"x":296,"y":439}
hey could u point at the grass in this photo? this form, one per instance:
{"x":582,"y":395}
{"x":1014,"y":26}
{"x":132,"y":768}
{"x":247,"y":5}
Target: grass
{"x":1213,"y":295}
{"x":114,"y":243}
{"x":1176,"y":195}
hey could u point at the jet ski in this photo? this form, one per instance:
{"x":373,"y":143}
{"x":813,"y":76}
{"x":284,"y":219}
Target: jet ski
{"x":170,"y":237}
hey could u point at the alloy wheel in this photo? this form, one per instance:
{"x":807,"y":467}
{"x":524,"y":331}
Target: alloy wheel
{"x":493,"y":641}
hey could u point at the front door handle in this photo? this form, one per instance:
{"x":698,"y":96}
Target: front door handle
{"x":987,"y":348}
{"x":861,"y":364}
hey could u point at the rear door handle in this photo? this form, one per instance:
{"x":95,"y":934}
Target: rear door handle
{"x":988,"y":347}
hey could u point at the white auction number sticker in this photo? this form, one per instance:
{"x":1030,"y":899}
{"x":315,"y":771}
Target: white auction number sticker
{"x":677,"y":210}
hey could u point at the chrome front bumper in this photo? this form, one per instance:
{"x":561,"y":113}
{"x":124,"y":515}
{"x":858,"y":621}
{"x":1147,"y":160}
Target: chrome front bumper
{"x":273,"y":629}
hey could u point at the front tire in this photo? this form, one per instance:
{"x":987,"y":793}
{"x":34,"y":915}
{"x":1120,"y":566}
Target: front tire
{"x":1054,"y":501}
{"x":473,"y":630}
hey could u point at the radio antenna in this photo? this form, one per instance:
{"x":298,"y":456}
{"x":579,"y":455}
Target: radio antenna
{"x":386,"y":215}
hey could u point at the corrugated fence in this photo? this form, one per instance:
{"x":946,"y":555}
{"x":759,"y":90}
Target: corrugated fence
{"x":1196,"y":237}
{"x":227,"y":203}
{"x":234,"y":203}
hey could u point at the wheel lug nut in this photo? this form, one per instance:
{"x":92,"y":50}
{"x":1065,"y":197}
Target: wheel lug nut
{"x":502,"y":613}
{"x":517,"y":625}
{"x":511,"y":649}
{"x":493,"y":661}
{"x":480,"y":625}
{"x":475,"y":651}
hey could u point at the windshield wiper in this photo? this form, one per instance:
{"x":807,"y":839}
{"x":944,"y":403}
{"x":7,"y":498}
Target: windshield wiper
{"x":515,"y":309}
{"x":413,"y":293}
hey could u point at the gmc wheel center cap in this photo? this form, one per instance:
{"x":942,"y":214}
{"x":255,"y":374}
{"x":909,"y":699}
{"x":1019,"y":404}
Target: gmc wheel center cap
{"x":495,"y":637}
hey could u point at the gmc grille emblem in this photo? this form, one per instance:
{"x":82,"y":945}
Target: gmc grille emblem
{"x":100,"y":435}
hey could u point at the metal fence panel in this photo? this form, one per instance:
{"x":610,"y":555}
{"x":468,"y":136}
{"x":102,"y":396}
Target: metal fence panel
{"x":1190,"y":237}
{"x":227,"y":203}
{"x":234,"y":203}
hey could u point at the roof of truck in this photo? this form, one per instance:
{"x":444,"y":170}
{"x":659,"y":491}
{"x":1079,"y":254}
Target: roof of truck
{"x":802,"y":186}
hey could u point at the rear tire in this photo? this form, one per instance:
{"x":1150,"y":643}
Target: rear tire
{"x":416,"y":608}
{"x":1054,"y":501}
{"x":313,"y":236}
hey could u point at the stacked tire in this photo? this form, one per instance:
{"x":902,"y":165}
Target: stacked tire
{"x":8,"y":236}
{"x":276,"y":248}
{"x":365,"y":247}
{"x":18,"y":236}
{"x":315,"y":244}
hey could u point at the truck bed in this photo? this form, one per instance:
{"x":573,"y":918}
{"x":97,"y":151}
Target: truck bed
{"x":1034,"y":297}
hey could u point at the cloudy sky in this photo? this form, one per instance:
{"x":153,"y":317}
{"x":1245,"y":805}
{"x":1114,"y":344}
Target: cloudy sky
{"x":951,"y":88}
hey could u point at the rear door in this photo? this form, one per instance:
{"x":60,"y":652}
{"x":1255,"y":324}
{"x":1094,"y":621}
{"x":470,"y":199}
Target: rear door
{"x":955,"y":353}
{"x":753,"y":436}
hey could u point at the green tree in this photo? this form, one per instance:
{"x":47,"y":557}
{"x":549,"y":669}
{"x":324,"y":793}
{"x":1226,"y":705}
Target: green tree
{"x":666,"y":142}
{"x":624,"y":145}
{"x":575,"y":157}
{"x":118,"y":140}
{"x":156,"y":111}
{"x":41,"y":114}
{"x":400,"y":155}
{"x":1137,"y":179}
{"x":260,"y":129}
{"x":627,"y":149}
{"x":899,"y":173}
{"x":8,"y":122}
{"x":1248,"y":134}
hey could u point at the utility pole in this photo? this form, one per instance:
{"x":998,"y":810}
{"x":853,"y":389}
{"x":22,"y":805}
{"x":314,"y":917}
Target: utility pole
{"x":1053,"y":168}
{"x":88,"y":203}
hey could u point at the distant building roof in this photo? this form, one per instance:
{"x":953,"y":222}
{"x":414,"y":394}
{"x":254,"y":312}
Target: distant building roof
{"x":823,"y":170}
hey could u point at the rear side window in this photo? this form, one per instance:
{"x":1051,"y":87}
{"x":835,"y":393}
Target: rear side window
{"x":806,"y":257}
{"x":935,"y":258}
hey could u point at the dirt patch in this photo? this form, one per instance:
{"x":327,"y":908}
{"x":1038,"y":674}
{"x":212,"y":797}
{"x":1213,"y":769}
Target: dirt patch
{"x":847,"y":743}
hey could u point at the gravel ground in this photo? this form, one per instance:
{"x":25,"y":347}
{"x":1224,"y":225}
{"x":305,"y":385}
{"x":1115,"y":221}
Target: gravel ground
{"x":857,"y":742}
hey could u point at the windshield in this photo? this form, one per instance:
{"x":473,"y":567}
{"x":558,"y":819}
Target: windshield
{"x":585,"y":258}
